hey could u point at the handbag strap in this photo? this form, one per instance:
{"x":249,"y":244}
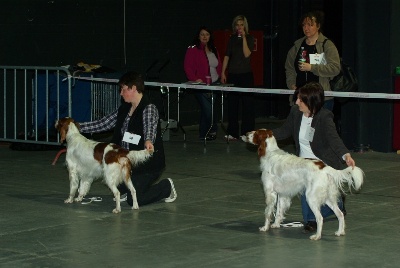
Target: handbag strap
{"x":323,"y":44}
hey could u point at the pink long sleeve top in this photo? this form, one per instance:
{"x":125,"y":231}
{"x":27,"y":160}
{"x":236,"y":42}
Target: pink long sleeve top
{"x":196,"y":64}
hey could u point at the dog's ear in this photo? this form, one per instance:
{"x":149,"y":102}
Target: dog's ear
{"x":62,"y":127}
{"x":262,"y":148}
{"x":57,"y":125}
{"x":63,"y":134}
{"x":261,"y":135}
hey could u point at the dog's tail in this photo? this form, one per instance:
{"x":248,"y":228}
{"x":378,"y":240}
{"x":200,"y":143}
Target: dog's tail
{"x":137,"y":157}
{"x":354,"y":177}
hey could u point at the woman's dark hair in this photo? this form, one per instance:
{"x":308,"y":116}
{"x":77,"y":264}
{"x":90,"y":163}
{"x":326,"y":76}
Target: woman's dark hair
{"x":312,"y":95}
{"x":196,"y":41}
{"x":316,"y":16}
{"x":132,"y":79}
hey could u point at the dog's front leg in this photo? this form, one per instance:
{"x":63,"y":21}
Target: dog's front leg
{"x":282,"y":206}
{"x":73,"y":185}
{"x":84,"y":188}
{"x":270,"y":199}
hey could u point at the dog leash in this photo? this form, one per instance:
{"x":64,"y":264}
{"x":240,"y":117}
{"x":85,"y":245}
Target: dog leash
{"x":91,"y":199}
{"x":292,"y":224}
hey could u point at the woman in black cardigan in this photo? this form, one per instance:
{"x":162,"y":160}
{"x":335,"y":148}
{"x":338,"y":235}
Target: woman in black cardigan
{"x":139,"y":119}
{"x":315,"y":136}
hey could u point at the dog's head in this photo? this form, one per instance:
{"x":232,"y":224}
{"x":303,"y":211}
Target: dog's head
{"x":259,"y":137}
{"x":62,"y":126}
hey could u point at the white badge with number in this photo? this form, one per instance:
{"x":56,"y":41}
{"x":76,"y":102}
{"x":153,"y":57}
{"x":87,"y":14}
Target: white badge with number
{"x":131,"y":138}
{"x":309,"y":135}
{"x":318,"y":58}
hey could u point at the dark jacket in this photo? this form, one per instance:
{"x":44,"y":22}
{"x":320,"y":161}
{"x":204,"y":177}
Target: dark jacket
{"x":157,"y":162}
{"x":326,"y":144}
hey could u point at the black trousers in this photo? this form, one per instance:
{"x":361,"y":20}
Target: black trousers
{"x":248,"y":105}
{"x":147,"y":191}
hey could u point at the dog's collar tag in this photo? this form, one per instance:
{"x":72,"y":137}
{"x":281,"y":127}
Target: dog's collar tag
{"x":131,"y":138}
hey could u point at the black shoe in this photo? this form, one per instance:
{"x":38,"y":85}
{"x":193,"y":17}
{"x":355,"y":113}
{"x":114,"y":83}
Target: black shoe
{"x":310,"y":227}
{"x":211,"y":137}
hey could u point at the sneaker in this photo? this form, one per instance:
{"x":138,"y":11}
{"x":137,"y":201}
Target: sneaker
{"x":122,"y":198}
{"x":230,"y":138}
{"x":173,"y":194}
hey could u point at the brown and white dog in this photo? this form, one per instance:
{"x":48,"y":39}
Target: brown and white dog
{"x":285,"y":175}
{"x":88,"y":160}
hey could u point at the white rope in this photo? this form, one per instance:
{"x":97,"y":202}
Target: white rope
{"x":294,"y":224}
{"x":91,"y":199}
{"x":227,"y":88}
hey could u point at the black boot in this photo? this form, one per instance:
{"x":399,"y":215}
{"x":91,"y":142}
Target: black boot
{"x":310,"y":227}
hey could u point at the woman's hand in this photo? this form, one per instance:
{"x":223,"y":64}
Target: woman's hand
{"x":304,"y":67}
{"x":223,"y":78}
{"x":149,"y":145}
{"x":349,"y":161}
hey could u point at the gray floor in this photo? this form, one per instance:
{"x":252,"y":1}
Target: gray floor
{"x":213,"y":223}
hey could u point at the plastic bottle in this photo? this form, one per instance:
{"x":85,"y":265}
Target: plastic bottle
{"x":302,"y":55}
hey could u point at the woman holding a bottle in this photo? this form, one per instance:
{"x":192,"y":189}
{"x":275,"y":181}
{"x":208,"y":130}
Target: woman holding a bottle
{"x":236,"y":70}
{"x":312,"y":58}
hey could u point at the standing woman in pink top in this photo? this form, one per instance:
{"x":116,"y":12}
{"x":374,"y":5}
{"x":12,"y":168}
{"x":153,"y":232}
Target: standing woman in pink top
{"x":201,"y":61}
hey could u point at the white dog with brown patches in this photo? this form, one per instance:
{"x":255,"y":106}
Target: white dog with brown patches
{"x":285,"y":175}
{"x":88,"y":160}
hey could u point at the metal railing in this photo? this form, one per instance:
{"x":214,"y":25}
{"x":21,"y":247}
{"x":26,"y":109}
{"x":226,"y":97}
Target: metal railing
{"x":34,"y":97}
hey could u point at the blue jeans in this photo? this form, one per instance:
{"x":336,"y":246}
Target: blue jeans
{"x":204,"y":100}
{"x":308,"y":215}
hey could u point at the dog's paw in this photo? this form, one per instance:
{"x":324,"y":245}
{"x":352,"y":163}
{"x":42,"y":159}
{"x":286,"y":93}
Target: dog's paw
{"x":116,"y":211}
{"x":275,"y":225}
{"x":263,"y":228}
{"x":315,"y":237}
{"x":69,"y":200}
{"x":79,"y":199}
{"x":339,"y":233}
